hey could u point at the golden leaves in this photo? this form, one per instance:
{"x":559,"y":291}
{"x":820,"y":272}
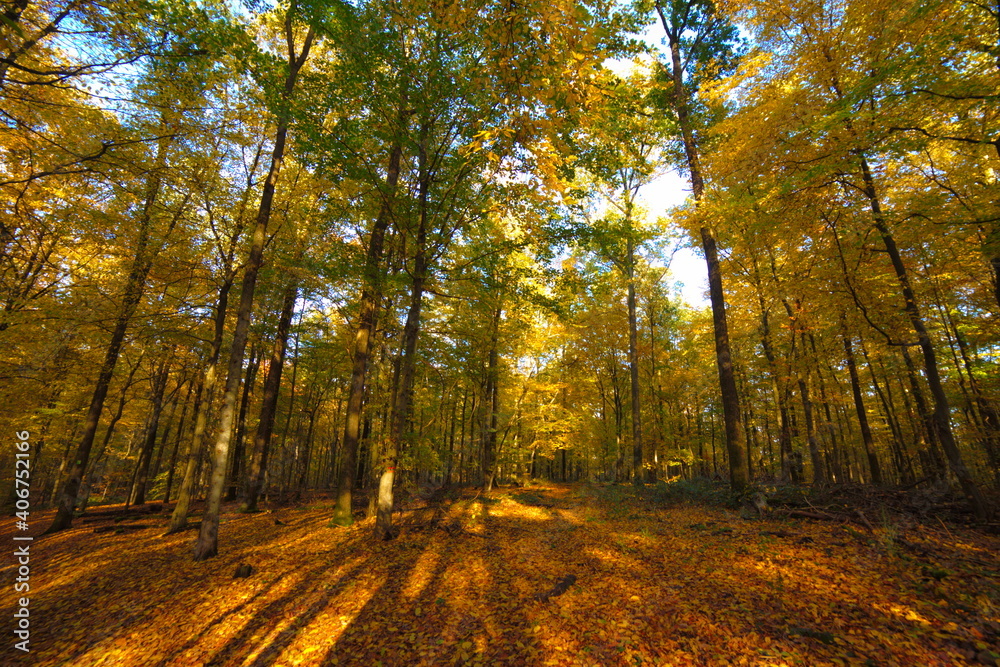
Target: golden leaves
{"x":677,"y":585}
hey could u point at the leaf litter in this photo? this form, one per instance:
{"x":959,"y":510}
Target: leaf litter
{"x":558,"y":575}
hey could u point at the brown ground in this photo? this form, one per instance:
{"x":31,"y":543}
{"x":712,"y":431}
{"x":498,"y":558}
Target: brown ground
{"x":684,"y":585}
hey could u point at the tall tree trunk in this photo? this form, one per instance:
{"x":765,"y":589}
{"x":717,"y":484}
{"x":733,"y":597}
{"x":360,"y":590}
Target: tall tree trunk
{"x":110,"y":431}
{"x":370,"y":295}
{"x":178,"y":519}
{"x":307,"y":449}
{"x":633,"y":363}
{"x":899,"y":455}
{"x":206,"y":390}
{"x":135,"y":285}
{"x":785,"y":432}
{"x":451,"y":436}
{"x":859,"y":406}
{"x":236,"y":467}
{"x":735,"y":444}
{"x":942,"y":412}
{"x":269,"y":402}
{"x":400,"y":414}
{"x":491,"y":402}
{"x":988,"y":413}
{"x":164,"y":439}
{"x":172,"y":466}
{"x":819,"y":469}
{"x":208,"y":537}
{"x":138,"y":493}
{"x":925,"y":433}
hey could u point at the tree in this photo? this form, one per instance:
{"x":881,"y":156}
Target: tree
{"x":207,"y":544}
{"x":622,"y":148}
{"x":698,"y":38}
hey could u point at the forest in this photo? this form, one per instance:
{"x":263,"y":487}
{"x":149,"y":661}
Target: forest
{"x":373,"y":301}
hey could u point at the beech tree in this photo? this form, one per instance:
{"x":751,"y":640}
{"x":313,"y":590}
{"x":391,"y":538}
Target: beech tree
{"x":700,"y":39}
{"x":435,"y":217}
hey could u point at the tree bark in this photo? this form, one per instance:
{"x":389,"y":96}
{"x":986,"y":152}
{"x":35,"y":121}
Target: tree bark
{"x":942,"y":413}
{"x":269,"y":402}
{"x":370,"y":295}
{"x":208,"y":537}
{"x":135,"y":285}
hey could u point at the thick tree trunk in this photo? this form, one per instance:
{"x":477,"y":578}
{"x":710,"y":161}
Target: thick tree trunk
{"x":208,"y":537}
{"x":942,"y":412}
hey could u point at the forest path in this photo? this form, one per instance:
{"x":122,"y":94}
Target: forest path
{"x":650,"y":585}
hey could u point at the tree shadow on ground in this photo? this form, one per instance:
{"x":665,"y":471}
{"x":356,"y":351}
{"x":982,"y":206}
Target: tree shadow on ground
{"x":691,"y":585}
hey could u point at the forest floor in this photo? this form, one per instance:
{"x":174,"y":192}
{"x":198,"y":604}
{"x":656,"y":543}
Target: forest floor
{"x":546,"y":575}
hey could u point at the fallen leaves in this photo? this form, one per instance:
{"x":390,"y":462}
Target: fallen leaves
{"x":653,"y":586}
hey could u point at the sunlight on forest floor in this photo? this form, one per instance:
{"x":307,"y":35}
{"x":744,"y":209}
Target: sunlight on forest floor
{"x":655,"y":585}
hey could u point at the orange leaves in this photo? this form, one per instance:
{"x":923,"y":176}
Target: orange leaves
{"x":654,"y":585}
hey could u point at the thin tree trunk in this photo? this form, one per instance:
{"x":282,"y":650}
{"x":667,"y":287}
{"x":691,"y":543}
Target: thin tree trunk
{"x":206,"y":393}
{"x":138,"y":493}
{"x":269,"y":402}
{"x":180,"y":434}
{"x":784,"y":433}
{"x":370,"y":295}
{"x":236,"y":467}
{"x":633,"y":365}
{"x":135,"y":285}
{"x":178,"y":520}
{"x":400,"y":415}
{"x":859,"y":406}
{"x":303,"y":483}
{"x":491,"y":402}
{"x":111,"y":427}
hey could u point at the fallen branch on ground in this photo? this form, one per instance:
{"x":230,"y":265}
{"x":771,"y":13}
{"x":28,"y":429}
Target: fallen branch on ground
{"x":558,"y":589}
